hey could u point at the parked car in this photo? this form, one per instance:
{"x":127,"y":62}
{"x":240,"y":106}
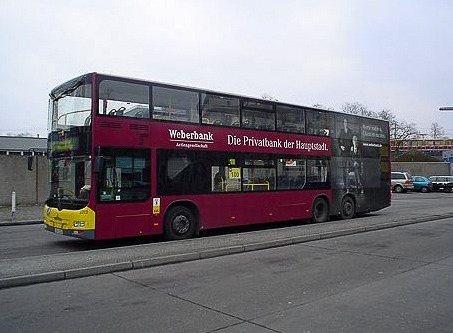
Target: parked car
{"x":442,"y":183}
{"x":401,"y":181}
{"x":422,"y":184}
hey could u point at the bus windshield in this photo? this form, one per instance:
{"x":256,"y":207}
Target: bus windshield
{"x":70,"y":181}
{"x":70,"y":105}
{"x":70,"y":143}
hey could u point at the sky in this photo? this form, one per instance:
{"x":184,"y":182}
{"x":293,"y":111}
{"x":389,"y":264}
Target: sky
{"x":385,"y":54}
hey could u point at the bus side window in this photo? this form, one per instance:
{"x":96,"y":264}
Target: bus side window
{"x":290,"y":119}
{"x":219,"y":110}
{"x":317,"y":122}
{"x":125,"y":175}
{"x":291,"y":174}
{"x":218,"y":179}
{"x":258,"y":115}
{"x":123,"y":99}
{"x":198,"y":182}
{"x":318,"y":174}
{"x":259,"y":175}
{"x":258,"y":179}
{"x":175,"y":105}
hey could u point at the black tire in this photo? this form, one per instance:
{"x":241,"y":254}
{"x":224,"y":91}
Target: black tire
{"x":180,"y":223}
{"x":347,"y":208}
{"x":424,"y":189}
{"x":398,"y":189}
{"x":320,"y":210}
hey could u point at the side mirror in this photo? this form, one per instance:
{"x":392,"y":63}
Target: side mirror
{"x":99,"y":164}
{"x":30,"y":163}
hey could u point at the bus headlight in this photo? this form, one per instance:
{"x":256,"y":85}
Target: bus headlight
{"x":79,"y":224}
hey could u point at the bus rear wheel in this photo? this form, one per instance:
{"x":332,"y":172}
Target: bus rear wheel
{"x":320,"y":210}
{"x":180,"y":223}
{"x":347,"y":208}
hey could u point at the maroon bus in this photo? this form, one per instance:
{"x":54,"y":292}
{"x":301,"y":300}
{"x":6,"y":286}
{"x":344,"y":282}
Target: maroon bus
{"x":130,"y":158}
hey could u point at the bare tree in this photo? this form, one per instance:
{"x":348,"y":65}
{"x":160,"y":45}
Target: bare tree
{"x":399,"y":130}
{"x":437,"y":130}
{"x":358,"y":109}
{"x":324,"y":107}
{"x":268,"y":97}
{"x":386,"y":114}
{"x":402,"y":130}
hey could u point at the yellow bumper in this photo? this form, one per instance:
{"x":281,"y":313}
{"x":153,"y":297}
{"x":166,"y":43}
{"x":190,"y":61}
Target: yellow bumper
{"x":77,"y":223}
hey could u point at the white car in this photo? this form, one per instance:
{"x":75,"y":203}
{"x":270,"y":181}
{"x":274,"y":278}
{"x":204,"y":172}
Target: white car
{"x":401,"y":181}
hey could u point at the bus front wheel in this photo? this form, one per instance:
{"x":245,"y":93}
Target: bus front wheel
{"x":180,"y":223}
{"x":320,"y":210}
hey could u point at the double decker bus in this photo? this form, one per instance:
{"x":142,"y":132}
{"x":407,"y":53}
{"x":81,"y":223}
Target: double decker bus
{"x":131,"y":158}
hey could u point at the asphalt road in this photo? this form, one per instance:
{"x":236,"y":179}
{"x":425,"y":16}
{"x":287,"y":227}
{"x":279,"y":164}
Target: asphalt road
{"x":32,"y":255}
{"x":390,"y":280}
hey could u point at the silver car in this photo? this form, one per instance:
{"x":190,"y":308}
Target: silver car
{"x":401,"y":181}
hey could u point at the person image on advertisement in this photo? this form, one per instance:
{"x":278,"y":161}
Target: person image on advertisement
{"x":345,"y":144}
{"x":345,"y":139}
{"x":356,"y":164}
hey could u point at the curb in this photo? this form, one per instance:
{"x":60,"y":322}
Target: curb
{"x":211,"y":253}
{"x":12,"y":223}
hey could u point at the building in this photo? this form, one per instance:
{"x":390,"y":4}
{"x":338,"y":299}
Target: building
{"x":17,"y":156}
{"x":431,"y":147}
{"x":426,"y":156}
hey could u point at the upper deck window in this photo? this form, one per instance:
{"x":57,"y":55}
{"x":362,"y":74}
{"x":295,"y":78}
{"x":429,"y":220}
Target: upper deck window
{"x":258,"y":115}
{"x":317,"y":122}
{"x":219,"y":110}
{"x":175,"y":105}
{"x":117,"y":98}
{"x":290,"y":119}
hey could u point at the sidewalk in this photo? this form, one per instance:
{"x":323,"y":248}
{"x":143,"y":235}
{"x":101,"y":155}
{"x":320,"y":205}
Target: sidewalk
{"x":24,"y":214}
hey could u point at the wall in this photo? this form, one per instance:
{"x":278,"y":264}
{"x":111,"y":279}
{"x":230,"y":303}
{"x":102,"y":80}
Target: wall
{"x":31,"y":187}
{"x":423,"y":168}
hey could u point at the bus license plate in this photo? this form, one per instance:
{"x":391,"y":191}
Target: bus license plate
{"x":58,"y":231}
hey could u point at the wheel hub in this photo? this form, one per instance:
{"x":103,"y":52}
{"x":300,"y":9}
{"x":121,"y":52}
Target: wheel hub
{"x":181,"y":224}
